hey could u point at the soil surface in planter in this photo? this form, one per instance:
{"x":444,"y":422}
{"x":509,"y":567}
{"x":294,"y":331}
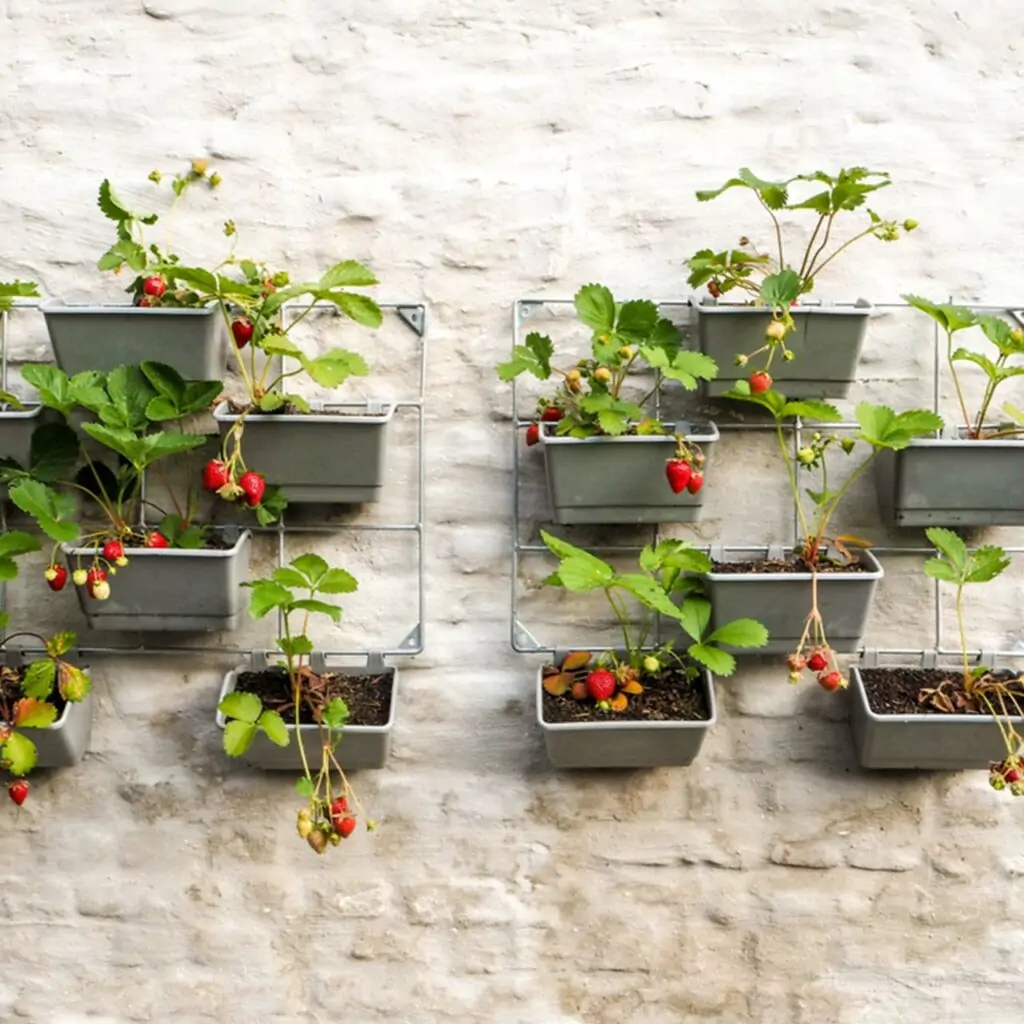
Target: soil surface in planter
{"x":893,"y":691}
{"x":234,"y":409}
{"x":766,"y":566}
{"x":215,"y":540}
{"x":10,"y":690}
{"x":368,"y":696}
{"x":671,"y":698}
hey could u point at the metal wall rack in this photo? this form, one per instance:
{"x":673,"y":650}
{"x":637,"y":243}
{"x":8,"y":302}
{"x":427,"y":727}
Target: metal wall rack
{"x":413,"y":316}
{"x":522,"y":638}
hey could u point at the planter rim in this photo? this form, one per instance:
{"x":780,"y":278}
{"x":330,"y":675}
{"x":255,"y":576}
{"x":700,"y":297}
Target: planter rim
{"x":875,"y":571}
{"x":612,"y":726}
{"x":858,"y":307}
{"x":319,"y":414}
{"x":230,"y":678}
{"x":31,"y":410}
{"x":243,"y":536}
{"x":27,"y":654}
{"x":58,"y":307}
{"x":862,"y":698}
{"x":701,"y":432}
{"x":951,"y":437}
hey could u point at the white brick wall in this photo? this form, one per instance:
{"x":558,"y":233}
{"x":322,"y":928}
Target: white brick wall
{"x":473,"y":152}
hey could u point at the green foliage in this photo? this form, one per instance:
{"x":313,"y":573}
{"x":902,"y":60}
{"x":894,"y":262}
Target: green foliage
{"x":956,"y":565}
{"x":11,"y":290}
{"x":668,"y":584}
{"x":772,"y":279}
{"x":626,"y":337}
{"x":12,"y":544}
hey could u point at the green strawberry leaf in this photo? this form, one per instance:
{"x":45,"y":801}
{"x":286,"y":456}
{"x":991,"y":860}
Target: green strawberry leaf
{"x":332,"y":611}
{"x":748,"y":633}
{"x":245,"y":707}
{"x":273,"y":725}
{"x":47,"y":507}
{"x":335,"y":714}
{"x":950,"y":545}
{"x":713,"y":658}
{"x":238,"y":737}
{"x":18,"y":754}
{"x":595,"y":306}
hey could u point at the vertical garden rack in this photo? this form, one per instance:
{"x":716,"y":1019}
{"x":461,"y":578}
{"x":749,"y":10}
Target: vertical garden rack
{"x":413,"y":316}
{"x":522,"y":638}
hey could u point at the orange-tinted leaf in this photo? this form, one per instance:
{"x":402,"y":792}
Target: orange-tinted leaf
{"x":619,"y":702}
{"x":74,"y":683}
{"x":579,"y":691}
{"x":557,"y":685}
{"x":632,"y":687}
{"x":30,"y":713}
{"x":575,"y":660}
{"x":852,"y":541}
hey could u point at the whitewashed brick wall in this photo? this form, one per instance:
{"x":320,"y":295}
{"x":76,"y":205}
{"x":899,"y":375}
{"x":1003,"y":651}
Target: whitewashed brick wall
{"x":473,"y":152}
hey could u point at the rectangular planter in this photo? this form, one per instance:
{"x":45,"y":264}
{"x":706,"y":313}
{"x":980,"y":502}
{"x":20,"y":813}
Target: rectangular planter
{"x":361,"y":746}
{"x":934,"y":741}
{"x":315,"y":458}
{"x":16,"y":433}
{"x":171,"y":589}
{"x":952,"y":481}
{"x":826,"y":343}
{"x":64,"y":743}
{"x":102,"y":337}
{"x":624,"y":744}
{"x":620,"y":479}
{"x":781,"y":601}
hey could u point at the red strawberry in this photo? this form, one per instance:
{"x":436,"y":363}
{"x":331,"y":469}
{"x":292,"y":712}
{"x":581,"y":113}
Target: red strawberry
{"x":154,"y":286}
{"x":156,"y":540}
{"x":817,"y":661}
{"x":552,"y":414}
{"x":345,"y":827}
{"x":147,"y":300}
{"x":759,"y":382}
{"x":18,"y":791}
{"x":601,"y":684}
{"x":1012,"y":775}
{"x":678,"y":472}
{"x":695,"y":483}
{"x":215,"y":475}
{"x":241,"y":329}
{"x":113,"y":550}
{"x":339,"y":806}
{"x":532,"y":434}
{"x":253,"y":485}
{"x":830,"y":681}
{"x":56,"y":577}
{"x":714,"y":289}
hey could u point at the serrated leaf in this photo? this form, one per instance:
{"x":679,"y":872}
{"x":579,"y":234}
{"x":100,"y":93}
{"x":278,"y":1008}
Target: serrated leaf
{"x":558,"y":684}
{"x":267,"y":595}
{"x":47,"y":507}
{"x":347,"y":274}
{"x":882,"y":428}
{"x":333,"y":368}
{"x":595,"y":306}
{"x":273,"y":725}
{"x":747,"y":633}
{"x":636,"y":319}
{"x":780,"y":289}
{"x":53,"y":386}
{"x":951,"y":545}
{"x":110,"y":205}
{"x":60,"y":643}
{"x":289,"y":577}
{"x":54,"y":451}
{"x":295,"y":646}
{"x":30,"y":713}
{"x":335,"y":714}
{"x":812,"y":410}
{"x":949,"y":317}
{"x":73,"y":683}
{"x":313,"y":567}
{"x":314,"y":607}
{"x":986,"y":563}
{"x":19,"y":754}
{"x":276,"y":345}
{"x":359,"y":308}
{"x":713,"y":658}
{"x":17,"y":542}
{"x":687,"y":367}
{"x":576,"y":660}
{"x":246,"y":707}
{"x":648,"y":592}
{"x":694,"y":614}
{"x":941,"y":570}
{"x":238,"y":737}
{"x":304,"y":787}
{"x":337,"y":581}
{"x":772,"y":400}
{"x":964,"y":355}
{"x":611,"y":422}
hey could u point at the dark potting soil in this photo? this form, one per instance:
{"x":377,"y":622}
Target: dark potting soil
{"x":215,"y":540}
{"x":791,"y":565}
{"x":894,"y":691}
{"x":671,"y":698}
{"x":10,"y":691}
{"x":235,"y":409}
{"x":368,"y":696}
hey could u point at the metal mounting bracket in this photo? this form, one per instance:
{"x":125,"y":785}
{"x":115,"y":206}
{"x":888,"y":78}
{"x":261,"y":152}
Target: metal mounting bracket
{"x":414,"y":317}
{"x":525,"y":640}
{"x":526,"y":308}
{"x":413,"y":640}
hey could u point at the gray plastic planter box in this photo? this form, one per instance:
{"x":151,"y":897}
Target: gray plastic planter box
{"x":102,"y":337}
{"x":16,"y":432}
{"x":782,"y":601}
{"x":826,"y":343}
{"x":929,"y":741}
{"x":624,"y":744}
{"x":64,"y":743}
{"x":170,"y":589}
{"x":620,"y":479}
{"x":324,"y":458}
{"x":950,"y":481}
{"x":361,"y":746}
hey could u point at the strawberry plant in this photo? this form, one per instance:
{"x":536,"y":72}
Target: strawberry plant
{"x":978,"y":689}
{"x":668,"y":584}
{"x":146,"y":259}
{"x":769,"y":278}
{"x":295,"y":591}
{"x":626,"y":338}
{"x":29,"y":695}
{"x":1008,"y":343}
{"x":9,"y":291}
{"x":879,"y":428}
{"x":125,"y":412}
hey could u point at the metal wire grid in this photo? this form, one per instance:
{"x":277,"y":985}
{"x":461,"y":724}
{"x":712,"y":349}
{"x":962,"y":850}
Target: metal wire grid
{"x":413,"y":315}
{"x":522,"y":639}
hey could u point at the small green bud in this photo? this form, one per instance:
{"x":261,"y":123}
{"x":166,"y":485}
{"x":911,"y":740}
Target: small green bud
{"x":651,"y":664}
{"x":215,"y":179}
{"x":909,"y":225}
{"x":816,"y":436}
{"x":156,"y":177}
{"x":805,"y":456}
{"x":787,"y":355}
{"x":848,"y":444}
{"x":741,"y":360}
{"x":229,"y":228}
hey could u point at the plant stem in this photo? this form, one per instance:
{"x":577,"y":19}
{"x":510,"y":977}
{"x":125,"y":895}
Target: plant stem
{"x":842,"y":494}
{"x":778,"y":227}
{"x":810,"y":245}
{"x":821,"y":248}
{"x":963,"y":635}
{"x":293,"y":678}
{"x":623,"y":621}
{"x":845,"y":245}
{"x":956,"y":380}
{"x":790,"y":472}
